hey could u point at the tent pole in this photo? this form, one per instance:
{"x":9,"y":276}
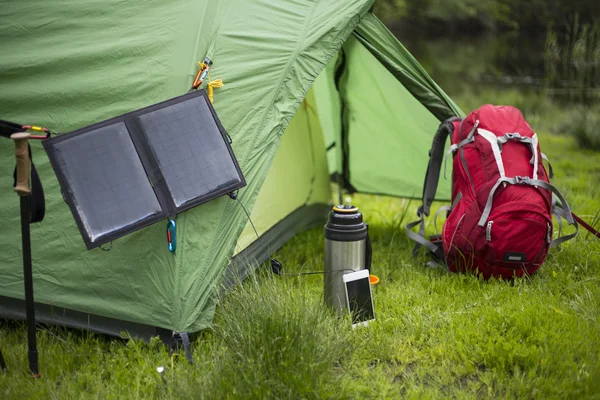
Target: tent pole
{"x":28,"y":275}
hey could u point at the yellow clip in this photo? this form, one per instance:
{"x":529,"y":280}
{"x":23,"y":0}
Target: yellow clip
{"x":217,"y":83}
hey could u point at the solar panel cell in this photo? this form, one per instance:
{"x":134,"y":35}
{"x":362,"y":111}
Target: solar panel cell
{"x":191,"y":153}
{"x":106,"y":180}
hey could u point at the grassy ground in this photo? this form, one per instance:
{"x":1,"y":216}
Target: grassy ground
{"x":437,"y":334}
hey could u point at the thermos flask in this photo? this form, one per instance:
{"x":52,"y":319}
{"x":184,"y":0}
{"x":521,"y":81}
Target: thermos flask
{"x":347,"y":249}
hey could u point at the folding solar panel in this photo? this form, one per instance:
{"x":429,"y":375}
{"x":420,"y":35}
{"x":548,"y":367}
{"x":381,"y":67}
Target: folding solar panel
{"x":128,"y":172}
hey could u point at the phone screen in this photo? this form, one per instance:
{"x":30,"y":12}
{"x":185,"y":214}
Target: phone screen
{"x":359,"y":298}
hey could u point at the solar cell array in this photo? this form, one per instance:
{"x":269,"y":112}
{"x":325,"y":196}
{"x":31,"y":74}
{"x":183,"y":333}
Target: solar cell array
{"x":104,"y":169}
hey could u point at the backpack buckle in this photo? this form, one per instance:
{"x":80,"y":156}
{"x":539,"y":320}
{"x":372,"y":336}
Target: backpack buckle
{"x":523,"y":180}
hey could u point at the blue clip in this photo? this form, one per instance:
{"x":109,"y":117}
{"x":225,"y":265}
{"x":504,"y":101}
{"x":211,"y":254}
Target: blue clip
{"x":172,"y":235}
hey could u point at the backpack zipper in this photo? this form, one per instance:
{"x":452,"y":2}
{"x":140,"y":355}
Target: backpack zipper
{"x":488,"y":231}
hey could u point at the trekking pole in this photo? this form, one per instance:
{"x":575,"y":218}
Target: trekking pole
{"x":22,"y":188}
{"x":2,"y":363}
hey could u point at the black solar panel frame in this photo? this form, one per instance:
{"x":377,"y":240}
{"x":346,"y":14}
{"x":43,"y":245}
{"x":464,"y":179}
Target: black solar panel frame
{"x":150,"y":164}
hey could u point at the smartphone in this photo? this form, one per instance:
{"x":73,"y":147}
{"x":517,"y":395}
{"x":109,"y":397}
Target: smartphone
{"x":359,"y":298}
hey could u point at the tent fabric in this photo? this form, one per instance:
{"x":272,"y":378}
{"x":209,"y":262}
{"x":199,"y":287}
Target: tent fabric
{"x":70,"y":64}
{"x":374,"y":35}
{"x":298,"y":176}
{"x":378,"y":68}
{"x":378,"y":127}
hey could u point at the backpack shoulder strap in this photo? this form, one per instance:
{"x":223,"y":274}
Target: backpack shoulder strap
{"x":436,"y":155}
{"x":432,"y":176}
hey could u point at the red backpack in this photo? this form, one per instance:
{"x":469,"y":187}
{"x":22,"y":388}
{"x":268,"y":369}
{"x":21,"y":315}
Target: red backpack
{"x":500,"y":221}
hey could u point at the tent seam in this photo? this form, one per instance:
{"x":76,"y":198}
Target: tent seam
{"x":179,"y":257}
{"x":198,"y":31}
{"x":312,"y":151}
{"x":421,"y":71}
{"x":176,"y":306}
{"x":272,"y":102}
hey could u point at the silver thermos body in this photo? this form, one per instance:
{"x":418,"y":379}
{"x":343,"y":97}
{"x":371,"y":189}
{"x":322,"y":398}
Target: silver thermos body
{"x":347,"y":249}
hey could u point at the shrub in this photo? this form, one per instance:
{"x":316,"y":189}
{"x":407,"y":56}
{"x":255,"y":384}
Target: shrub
{"x":278,"y":341}
{"x":584,"y":124}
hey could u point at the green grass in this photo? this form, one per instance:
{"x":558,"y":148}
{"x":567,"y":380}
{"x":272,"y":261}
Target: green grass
{"x":437,"y":334}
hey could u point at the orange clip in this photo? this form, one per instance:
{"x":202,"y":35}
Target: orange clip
{"x":202,"y":72}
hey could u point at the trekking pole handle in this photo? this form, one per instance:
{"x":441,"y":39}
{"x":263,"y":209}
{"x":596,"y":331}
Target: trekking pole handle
{"x":21,"y":140}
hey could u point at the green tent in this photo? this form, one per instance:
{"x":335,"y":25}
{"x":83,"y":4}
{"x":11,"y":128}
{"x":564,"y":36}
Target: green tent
{"x":314,"y":91}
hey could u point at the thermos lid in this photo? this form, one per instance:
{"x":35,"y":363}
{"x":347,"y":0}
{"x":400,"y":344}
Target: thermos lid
{"x":345,"y":209}
{"x":345,"y":224}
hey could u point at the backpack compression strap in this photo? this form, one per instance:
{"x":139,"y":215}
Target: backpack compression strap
{"x":587,"y":226}
{"x":37,"y":204}
{"x":432,"y":176}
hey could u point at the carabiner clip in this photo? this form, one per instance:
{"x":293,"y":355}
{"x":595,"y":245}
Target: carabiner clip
{"x":172,"y":235}
{"x":38,"y":129}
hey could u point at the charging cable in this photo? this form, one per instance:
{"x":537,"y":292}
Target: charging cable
{"x":276,"y":266}
{"x":319,"y":272}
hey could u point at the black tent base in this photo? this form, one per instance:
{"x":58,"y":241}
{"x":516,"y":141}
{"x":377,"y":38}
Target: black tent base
{"x":241,"y":265}
{"x":14,"y":309}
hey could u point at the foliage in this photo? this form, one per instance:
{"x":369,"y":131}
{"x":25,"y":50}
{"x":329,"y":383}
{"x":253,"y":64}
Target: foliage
{"x":542,"y":113}
{"x":509,"y":70}
{"x":437,"y":335}
{"x":539,"y":110}
{"x":532,"y":15}
{"x":572,"y":61}
{"x":584,"y":124}
{"x":567,"y":63}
